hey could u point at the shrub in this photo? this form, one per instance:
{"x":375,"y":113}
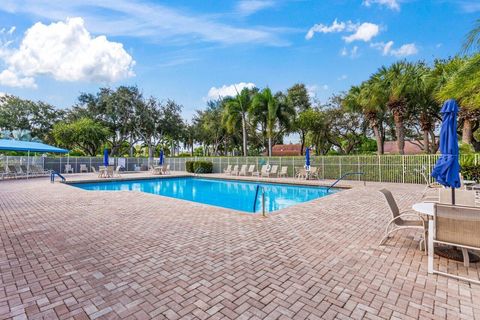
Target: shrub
{"x":471,"y":172}
{"x":202,"y":166}
{"x":189,"y":166}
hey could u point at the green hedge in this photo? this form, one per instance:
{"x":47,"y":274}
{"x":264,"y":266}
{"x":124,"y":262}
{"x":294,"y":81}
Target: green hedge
{"x":471,"y":173}
{"x":189,"y":166}
{"x":199,"y":166}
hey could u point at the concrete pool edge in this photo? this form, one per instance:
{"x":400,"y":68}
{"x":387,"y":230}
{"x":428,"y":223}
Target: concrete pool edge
{"x":301,"y":183}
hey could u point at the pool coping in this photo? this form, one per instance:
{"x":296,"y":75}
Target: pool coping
{"x":206,"y":176}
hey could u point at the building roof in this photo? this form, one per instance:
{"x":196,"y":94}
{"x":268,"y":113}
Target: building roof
{"x":411,"y":147}
{"x":287,"y":150}
{"x":25,"y":146}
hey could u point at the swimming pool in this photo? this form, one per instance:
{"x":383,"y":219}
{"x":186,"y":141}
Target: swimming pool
{"x":233,"y":194}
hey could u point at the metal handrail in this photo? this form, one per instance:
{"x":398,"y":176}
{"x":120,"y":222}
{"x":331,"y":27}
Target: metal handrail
{"x":52,"y":176}
{"x":255,"y":200}
{"x":345,"y":175}
{"x":256,"y":196}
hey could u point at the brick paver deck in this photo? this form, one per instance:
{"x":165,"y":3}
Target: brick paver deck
{"x":68,"y":253}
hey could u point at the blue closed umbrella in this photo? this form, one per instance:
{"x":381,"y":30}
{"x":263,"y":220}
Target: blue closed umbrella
{"x":161,"y":157}
{"x":447,"y":168}
{"x":307,"y":158}
{"x":105,"y":157}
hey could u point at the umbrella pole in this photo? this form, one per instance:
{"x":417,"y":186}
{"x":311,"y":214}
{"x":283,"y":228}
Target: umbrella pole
{"x":453,"y":196}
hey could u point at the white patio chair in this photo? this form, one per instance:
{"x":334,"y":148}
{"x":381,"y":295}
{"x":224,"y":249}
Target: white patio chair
{"x":83,"y":168}
{"x":68,"y":169}
{"x":398,"y":222}
{"x":455,"y":226}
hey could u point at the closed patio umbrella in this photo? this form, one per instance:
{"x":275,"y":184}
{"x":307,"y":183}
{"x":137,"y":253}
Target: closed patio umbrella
{"x":161,"y":157}
{"x":307,"y":158}
{"x":105,"y":157}
{"x":447,"y":169}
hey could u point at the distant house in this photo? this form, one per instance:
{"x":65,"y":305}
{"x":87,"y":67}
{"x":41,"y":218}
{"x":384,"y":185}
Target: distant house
{"x":286,"y":150}
{"x":390,"y":147}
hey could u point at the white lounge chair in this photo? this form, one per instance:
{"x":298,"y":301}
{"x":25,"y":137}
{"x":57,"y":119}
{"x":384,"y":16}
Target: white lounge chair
{"x":243,"y":170}
{"x":455,"y":226}
{"x":283,"y":172}
{"x":116,"y":173}
{"x":228,"y":170}
{"x":263,"y":170}
{"x":251,"y":169}
{"x":234,"y":171}
{"x":273,"y":170}
{"x":83,"y":168}
{"x":301,"y":173}
{"x":166,"y":169}
{"x":68,"y":169}
{"x":398,"y":222}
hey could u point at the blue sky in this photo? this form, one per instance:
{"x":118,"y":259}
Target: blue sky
{"x":186,"y":50}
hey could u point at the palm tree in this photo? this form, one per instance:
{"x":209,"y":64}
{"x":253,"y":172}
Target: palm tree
{"x":370,"y":100}
{"x":236,"y":110}
{"x":463,"y":84}
{"x":271,"y":112}
{"x":472,"y":40}
{"x":396,"y":81}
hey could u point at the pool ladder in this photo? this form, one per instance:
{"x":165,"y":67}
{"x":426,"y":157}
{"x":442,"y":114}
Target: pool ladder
{"x":345,"y":175}
{"x":255,"y":200}
{"x":52,"y":176}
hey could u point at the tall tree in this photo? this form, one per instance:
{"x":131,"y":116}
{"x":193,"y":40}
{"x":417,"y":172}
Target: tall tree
{"x":84,"y":134}
{"x":396,"y":81}
{"x":464,"y":86}
{"x":274,"y":113}
{"x":298,"y":98}
{"x":472,"y":40}
{"x":369,"y":99}
{"x":236,"y":112}
{"x":115,"y":109}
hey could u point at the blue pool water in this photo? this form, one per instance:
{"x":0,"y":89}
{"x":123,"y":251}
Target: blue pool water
{"x":232,"y":194}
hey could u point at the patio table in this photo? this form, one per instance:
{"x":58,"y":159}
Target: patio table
{"x":427,"y":208}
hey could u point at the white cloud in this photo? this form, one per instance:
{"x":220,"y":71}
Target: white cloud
{"x":157,"y":22}
{"x":228,"y":91}
{"x":248,"y":7}
{"x":313,"y":89}
{"x":10,"y":79}
{"x":352,"y":53}
{"x":67,"y":52}
{"x":405,"y":50}
{"x":365,"y":32}
{"x":388,"y":49}
{"x":333,"y":28}
{"x":391,"y":4}
{"x":343,"y":77}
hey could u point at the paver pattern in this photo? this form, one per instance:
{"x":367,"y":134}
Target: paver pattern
{"x":68,"y":253}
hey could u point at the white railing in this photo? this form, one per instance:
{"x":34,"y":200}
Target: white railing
{"x":386,"y":168}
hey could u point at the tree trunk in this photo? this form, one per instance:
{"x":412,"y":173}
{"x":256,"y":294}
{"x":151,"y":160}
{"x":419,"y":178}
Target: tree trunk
{"x":467,"y":131}
{"x":244,"y":135}
{"x":150,"y":154}
{"x":379,"y":139}
{"x":269,"y":146}
{"x":302,"y":139}
{"x":400,"y":132}
{"x":426,"y":146}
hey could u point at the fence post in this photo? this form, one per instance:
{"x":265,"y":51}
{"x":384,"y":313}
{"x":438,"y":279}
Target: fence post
{"x":379,"y":168}
{"x":403,"y":168}
{"x":340,"y":165}
{"x":358,"y":168}
{"x":323,"y":167}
